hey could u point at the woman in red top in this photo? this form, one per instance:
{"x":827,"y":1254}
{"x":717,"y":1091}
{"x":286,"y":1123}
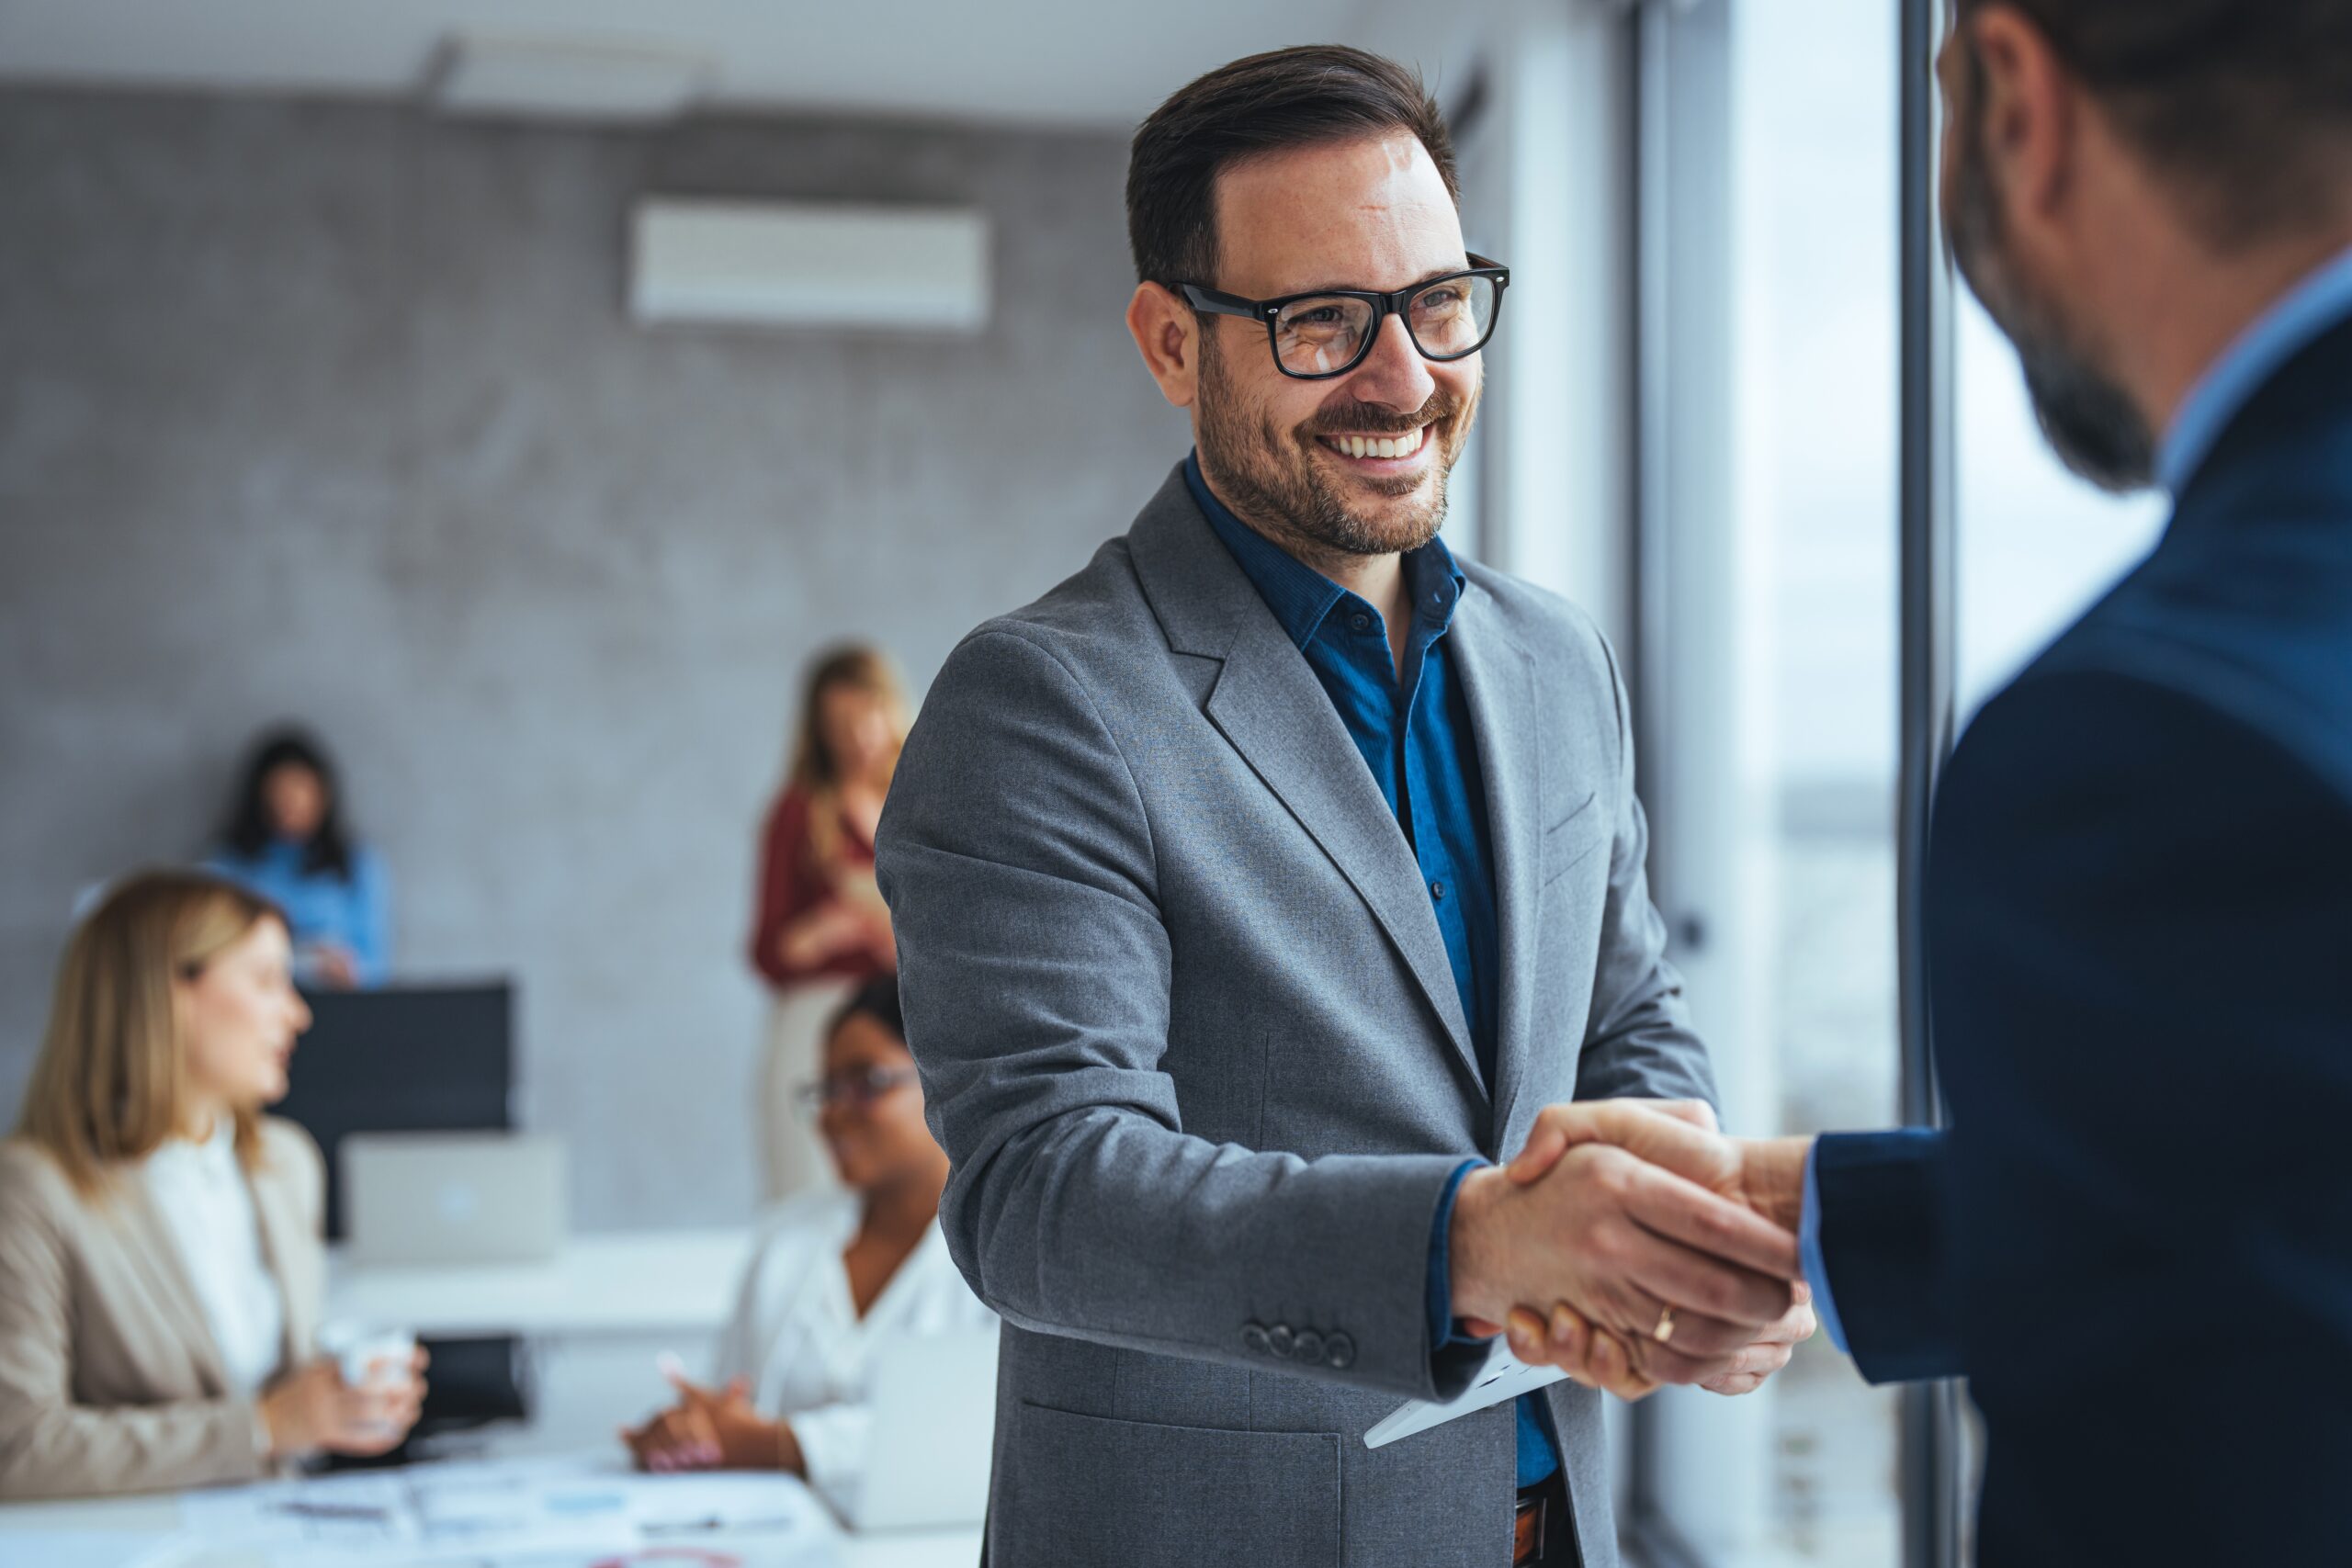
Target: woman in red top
{"x":822,"y":929}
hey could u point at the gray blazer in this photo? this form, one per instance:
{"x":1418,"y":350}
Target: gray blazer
{"x":1187,"y":1030}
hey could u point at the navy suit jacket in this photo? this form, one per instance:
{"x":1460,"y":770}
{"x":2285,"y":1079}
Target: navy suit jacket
{"x":2136,"y":1240}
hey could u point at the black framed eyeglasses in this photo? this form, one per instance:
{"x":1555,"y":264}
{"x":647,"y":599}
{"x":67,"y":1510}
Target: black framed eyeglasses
{"x":1328,"y":333}
{"x":863,"y":1086}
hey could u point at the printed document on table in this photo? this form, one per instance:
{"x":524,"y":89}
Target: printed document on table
{"x":526,"y":1514}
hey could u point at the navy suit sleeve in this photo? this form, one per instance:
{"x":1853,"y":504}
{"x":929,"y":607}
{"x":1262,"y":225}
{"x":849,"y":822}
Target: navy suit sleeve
{"x":2140,"y":912}
{"x":1883,"y":1240}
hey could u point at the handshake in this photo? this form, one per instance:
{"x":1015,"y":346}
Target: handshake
{"x":1631,"y":1245}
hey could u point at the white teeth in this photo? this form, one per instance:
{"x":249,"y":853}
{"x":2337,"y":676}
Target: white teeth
{"x":1403,"y":445}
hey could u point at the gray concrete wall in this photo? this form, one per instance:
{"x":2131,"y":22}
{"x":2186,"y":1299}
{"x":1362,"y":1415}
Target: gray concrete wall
{"x":331,"y":412}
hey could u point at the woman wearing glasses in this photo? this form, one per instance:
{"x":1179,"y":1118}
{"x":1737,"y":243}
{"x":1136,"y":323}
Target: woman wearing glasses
{"x":836,"y":1272}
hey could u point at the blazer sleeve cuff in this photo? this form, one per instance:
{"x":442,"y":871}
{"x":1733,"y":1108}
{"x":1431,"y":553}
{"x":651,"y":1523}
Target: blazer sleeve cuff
{"x":1880,"y":1236}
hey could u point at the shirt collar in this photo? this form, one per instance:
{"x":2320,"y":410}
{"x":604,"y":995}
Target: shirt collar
{"x":2256,"y":353}
{"x":1302,"y":597}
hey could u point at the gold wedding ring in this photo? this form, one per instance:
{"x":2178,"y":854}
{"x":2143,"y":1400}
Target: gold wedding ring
{"x":1665,"y":1329}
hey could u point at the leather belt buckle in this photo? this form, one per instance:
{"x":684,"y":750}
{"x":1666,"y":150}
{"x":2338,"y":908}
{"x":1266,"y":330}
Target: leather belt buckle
{"x":1527,"y":1527}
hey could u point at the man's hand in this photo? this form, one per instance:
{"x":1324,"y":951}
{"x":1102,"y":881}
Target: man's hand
{"x":1622,"y":1238}
{"x":1767,"y":1175}
{"x":1565,"y":1340}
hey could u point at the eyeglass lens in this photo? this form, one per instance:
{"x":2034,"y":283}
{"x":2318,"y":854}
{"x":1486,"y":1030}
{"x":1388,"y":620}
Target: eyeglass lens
{"x":1324,"y":333}
{"x":859,"y":1088}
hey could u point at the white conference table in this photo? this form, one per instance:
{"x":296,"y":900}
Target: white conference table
{"x":148,"y":1522}
{"x":596,"y":1315}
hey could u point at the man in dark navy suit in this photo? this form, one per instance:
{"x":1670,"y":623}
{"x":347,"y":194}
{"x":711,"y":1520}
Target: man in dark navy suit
{"x":2135,"y":1238}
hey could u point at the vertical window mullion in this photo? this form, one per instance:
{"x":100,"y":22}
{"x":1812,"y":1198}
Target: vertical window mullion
{"x":1930,"y":1447}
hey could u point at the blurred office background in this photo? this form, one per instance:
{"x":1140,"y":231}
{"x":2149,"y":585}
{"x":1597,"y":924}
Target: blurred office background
{"x":320,"y":398}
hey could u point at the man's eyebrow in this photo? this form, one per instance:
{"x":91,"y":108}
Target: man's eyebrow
{"x":1359,"y":288}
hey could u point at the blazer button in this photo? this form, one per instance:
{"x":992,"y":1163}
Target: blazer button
{"x":1253,"y":1339}
{"x":1279,"y":1339}
{"x":1339,"y":1352}
{"x":1307,"y":1349}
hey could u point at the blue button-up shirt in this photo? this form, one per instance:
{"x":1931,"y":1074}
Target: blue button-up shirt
{"x":1412,"y":727}
{"x":351,"y":912}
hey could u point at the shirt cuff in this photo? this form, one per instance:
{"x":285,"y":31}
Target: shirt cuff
{"x":1816,"y":1264}
{"x":1441,"y":1289}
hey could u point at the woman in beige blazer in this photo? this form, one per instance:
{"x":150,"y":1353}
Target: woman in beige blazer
{"x":161,"y":1268}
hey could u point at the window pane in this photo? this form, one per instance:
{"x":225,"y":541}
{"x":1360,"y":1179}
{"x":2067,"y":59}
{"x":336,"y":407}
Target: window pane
{"x":1793,"y":977}
{"x":2036,"y":545}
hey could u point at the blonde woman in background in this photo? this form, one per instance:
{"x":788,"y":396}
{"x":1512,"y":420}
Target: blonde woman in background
{"x":161,"y":1263}
{"x":822,"y":929}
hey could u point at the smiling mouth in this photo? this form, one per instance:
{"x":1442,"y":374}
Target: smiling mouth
{"x":1393,"y":450}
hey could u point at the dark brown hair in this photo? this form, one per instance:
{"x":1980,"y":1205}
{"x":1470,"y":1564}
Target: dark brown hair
{"x":2249,"y":102}
{"x":1267,"y":103}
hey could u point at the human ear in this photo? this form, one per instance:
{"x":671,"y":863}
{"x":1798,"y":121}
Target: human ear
{"x":2027,"y":112}
{"x":1168,"y":336}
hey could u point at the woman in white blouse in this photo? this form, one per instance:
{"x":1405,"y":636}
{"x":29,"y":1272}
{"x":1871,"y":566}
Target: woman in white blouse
{"x":834,"y":1274}
{"x":161,"y":1267}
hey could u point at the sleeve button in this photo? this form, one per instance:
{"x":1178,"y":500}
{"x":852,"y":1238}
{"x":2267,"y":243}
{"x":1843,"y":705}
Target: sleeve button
{"x":1279,"y":1339}
{"x":1253,"y":1339}
{"x":1307,"y":1349}
{"x":1339,"y":1352}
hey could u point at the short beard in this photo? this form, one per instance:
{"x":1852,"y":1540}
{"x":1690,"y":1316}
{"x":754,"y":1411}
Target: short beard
{"x":2089,"y":420}
{"x":1271,"y":481}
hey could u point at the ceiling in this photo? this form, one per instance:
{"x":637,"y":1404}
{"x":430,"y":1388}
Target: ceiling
{"x":1075,"y":62}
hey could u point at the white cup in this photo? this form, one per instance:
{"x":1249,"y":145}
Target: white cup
{"x":368,"y":1356}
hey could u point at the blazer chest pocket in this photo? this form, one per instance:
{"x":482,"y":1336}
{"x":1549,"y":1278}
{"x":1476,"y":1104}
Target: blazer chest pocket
{"x":1139,"y":1495}
{"x":1572,"y":840}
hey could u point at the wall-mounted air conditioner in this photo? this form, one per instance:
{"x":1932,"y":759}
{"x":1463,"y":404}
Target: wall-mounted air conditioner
{"x":918,"y":269}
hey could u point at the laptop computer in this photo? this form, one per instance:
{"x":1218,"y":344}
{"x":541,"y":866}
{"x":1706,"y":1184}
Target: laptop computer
{"x":935,"y":1429}
{"x":425,"y":1197}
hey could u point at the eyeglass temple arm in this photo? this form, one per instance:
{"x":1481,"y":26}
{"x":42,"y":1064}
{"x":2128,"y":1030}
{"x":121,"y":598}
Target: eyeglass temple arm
{"x":1218,"y":304}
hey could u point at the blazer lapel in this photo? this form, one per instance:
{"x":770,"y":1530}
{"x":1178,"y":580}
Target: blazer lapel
{"x":1268,"y":704}
{"x":1278,"y":717}
{"x":1498,"y":684}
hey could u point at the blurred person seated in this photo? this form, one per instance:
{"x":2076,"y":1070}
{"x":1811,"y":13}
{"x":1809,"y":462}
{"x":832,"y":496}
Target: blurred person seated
{"x":835,"y":1272}
{"x":285,"y":838}
{"x":161,"y":1261}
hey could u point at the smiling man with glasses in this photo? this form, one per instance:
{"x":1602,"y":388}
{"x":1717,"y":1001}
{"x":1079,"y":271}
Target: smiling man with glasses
{"x":1257,"y":887}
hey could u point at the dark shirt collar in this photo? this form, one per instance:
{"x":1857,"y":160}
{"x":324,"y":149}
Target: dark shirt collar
{"x":1302,"y":597}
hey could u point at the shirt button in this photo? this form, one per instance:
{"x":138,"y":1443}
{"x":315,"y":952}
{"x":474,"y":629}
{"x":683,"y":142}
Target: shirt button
{"x":1437,"y":890}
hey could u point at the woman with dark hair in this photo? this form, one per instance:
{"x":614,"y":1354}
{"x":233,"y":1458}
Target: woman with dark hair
{"x":835,"y":1277}
{"x":285,"y":840}
{"x":822,"y":929}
